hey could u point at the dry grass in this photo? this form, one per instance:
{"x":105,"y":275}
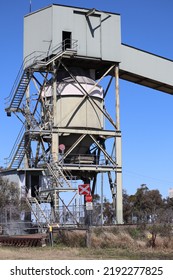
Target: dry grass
{"x":110,"y":240}
{"x":66,"y":253}
{"x":107,"y":243}
{"x":46,"y":253}
{"x":71,"y":238}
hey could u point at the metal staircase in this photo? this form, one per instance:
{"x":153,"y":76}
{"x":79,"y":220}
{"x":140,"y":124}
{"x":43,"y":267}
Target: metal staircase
{"x":18,"y":151}
{"x":31,"y":64}
{"x":37,"y":211}
{"x":19,"y":154}
{"x":17,"y":93}
{"x":58,"y":175}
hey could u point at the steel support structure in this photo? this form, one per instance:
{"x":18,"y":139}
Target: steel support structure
{"x":46,"y":135}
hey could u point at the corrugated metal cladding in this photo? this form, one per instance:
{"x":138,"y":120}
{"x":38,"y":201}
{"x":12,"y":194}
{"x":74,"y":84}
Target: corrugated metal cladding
{"x":98,"y":33}
{"x":98,"y":36}
{"x":146,"y":69}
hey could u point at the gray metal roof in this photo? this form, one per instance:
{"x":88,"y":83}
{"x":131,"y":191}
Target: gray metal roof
{"x":69,"y":6}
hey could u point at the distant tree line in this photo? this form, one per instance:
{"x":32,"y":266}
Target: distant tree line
{"x":147,"y":206}
{"x":144,"y":207}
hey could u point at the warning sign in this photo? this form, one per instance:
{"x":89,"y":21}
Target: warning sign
{"x":84,"y":189}
{"x":89,"y":206}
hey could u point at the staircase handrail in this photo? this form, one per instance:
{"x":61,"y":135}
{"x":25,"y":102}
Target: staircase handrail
{"x":34,"y":200}
{"x":19,"y":76}
{"x":56,"y":50}
{"x":59,"y":168}
{"x":63,"y":173}
{"x":33,"y":59}
{"x":53,"y":174}
{"x":16,"y":143}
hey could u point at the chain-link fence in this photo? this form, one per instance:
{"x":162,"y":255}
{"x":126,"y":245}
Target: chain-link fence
{"x":15,"y":221}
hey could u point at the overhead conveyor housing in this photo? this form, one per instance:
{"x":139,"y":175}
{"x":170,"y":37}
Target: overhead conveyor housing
{"x":146,"y":69}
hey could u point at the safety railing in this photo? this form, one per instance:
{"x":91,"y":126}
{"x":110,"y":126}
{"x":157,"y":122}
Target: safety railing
{"x":38,"y":57}
{"x":15,"y":146}
{"x":44,"y":57}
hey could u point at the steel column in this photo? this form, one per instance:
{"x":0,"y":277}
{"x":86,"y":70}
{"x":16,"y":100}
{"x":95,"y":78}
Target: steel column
{"x":55,"y":135}
{"x":119,"y":204}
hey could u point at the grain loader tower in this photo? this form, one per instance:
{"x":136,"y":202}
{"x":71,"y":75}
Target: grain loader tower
{"x":68,"y":135}
{"x":67,"y":53}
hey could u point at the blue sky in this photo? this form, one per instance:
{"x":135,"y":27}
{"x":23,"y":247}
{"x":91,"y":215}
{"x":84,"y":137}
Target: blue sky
{"x":146,"y":115}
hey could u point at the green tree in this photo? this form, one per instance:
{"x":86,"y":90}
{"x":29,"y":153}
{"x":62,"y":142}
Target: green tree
{"x":108,"y":212}
{"x":155,"y":204}
{"x":127,"y":207}
{"x":9,"y":194}
{"x":166,"y":214}
{"x":147,"y":204}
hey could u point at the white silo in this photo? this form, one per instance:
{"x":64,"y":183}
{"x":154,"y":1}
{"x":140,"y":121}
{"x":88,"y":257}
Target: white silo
{"x":74,"y":109}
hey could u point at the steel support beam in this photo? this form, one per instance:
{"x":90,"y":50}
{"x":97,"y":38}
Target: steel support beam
{"x":119,"y":199}
{"x":55,"y":135}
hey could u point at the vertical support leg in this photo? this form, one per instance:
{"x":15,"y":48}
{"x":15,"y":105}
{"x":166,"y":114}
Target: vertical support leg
{"x":119,"y":197}
{"x":118,"y":155}
{"x":55,"y":145}
{"x":55,"y":138}
{"x":27,"y":156}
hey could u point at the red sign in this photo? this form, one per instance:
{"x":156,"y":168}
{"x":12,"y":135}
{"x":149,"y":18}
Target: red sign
{"x":88,"y":198}
{"x":84,"y":189}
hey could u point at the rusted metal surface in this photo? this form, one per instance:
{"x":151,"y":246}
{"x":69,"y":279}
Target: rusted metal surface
{"x":32,"y":240}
